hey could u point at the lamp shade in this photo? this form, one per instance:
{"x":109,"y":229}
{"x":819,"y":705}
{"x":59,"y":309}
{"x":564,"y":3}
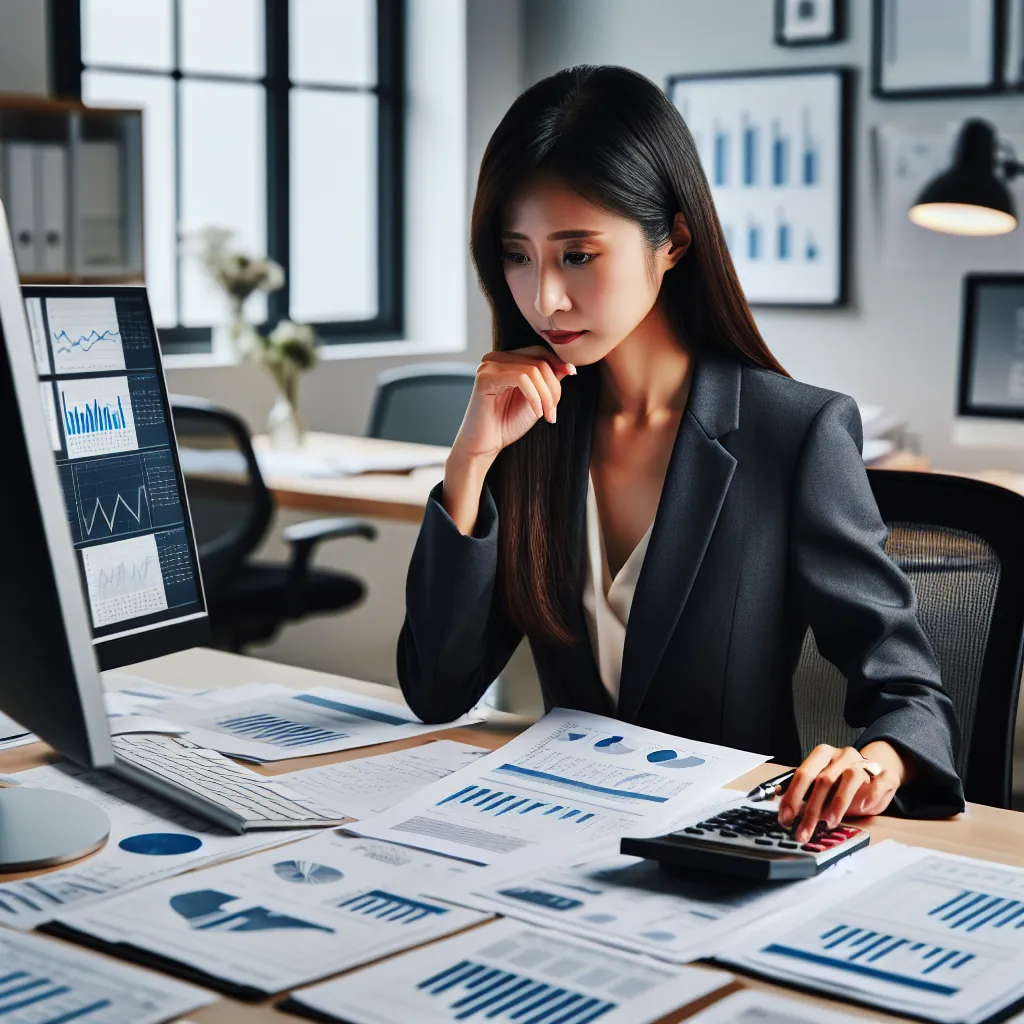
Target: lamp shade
{"x":968,"y":199}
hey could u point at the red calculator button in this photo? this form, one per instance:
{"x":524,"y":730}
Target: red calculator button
{"x":813,"y":848}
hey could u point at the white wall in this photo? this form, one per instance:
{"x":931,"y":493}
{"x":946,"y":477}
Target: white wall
{"x":897,"y":343}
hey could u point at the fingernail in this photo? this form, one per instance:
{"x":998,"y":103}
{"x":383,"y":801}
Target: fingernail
{"x":572,"y":369}
{"x":554,"y":416}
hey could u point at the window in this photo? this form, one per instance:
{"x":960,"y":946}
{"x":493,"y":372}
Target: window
{"x":279,"y":119}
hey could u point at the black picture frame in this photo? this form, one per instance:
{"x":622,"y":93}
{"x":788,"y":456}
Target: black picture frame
{"x":847,"y":78}
{"x":837,"y":35}
{"x":965,"y":407}
{"x":878,"y":40}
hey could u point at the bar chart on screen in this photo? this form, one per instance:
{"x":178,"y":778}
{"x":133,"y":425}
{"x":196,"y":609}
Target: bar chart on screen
{"x":97,"y":415}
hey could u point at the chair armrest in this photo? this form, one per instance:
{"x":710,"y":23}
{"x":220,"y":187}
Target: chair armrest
{"x":315,"y":530}
{"x":303,"y":538}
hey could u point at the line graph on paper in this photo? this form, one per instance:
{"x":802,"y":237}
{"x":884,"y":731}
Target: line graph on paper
{"x":84,"y":335}
{"x":124,"y":579}
{"x":98,"y":416}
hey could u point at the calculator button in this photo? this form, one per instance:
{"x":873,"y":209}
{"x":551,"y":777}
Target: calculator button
{"x":764,"y":842}
{"x":694,"y":831}
{"x":829,"y":841}
{"x":728,"y":835}
{"x":847,"y":831}
{"x":787,"y":845}
{"x":813,"y":848}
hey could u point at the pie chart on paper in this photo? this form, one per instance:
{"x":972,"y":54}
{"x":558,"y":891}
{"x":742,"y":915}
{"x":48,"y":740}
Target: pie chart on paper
{"x":612,"y":745}
{"x":306,"y":872}
{"x":671,"y":759}
{"x":572,"y":737}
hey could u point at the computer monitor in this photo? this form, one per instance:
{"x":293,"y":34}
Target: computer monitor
{"x":990,"y":406}
{"x":100,"y":561}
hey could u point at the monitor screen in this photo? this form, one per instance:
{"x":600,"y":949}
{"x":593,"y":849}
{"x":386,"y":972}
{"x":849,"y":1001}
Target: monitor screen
{"x":105,"y":400}
{"x":992,"y":358}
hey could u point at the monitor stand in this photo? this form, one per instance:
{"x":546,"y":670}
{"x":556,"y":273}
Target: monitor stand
{"x":40,"y":828}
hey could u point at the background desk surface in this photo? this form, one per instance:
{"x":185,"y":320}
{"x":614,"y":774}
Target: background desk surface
{"x":983,"y":832}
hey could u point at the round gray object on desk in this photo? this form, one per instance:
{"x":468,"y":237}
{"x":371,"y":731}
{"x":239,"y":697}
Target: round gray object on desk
{"x":43,"y":827}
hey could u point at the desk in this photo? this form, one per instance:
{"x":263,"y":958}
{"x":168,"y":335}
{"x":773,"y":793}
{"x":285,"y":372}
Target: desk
{"x":397,"y":496}
{"x":983,"y":832}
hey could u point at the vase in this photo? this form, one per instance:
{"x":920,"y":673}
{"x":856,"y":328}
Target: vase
{"x":284,"y":427}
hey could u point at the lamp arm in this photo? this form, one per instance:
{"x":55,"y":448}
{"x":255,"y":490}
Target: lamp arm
{"x":1008,"y":162}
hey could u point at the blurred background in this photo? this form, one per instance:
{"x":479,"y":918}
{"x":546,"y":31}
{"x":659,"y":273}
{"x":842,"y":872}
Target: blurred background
{"x":309,"y":166}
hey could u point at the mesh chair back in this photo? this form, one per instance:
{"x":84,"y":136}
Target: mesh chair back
{"x":423,"y":403}
{"x":230,"y":504}
{"x":959,"y":542}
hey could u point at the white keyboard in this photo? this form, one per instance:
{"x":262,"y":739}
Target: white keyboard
{"x":215,"y":787}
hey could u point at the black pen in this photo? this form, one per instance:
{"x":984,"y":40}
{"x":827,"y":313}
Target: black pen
{"x":772,"y":787}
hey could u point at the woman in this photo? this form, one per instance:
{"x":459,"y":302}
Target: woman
{"x":686,"y":510}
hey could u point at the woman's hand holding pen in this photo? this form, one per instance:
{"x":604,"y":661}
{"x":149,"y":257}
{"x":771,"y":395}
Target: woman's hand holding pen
{"x":512,"y":391}
{"x":832,"y":783}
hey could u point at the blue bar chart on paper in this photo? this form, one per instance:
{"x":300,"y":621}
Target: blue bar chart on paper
{"x":929,"y":930}
{"x":386,"y":906}
{"x":497,"y":803}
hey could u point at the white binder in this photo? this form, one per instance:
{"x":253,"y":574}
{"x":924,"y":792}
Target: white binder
{"x":21,"y":203}
{"x":52,"y":218}
{"x":99,"y":219}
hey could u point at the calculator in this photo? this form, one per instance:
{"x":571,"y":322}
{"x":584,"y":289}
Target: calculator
{"x":750,"y":842}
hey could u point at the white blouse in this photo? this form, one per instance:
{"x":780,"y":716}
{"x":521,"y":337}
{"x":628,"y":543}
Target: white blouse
{"x":606,"y":603}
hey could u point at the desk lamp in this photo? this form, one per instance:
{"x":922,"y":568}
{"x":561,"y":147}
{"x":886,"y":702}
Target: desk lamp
{"x":969,"y":198}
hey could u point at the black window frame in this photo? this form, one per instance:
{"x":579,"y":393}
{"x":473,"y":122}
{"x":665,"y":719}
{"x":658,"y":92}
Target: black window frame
{"x":65,"y":24}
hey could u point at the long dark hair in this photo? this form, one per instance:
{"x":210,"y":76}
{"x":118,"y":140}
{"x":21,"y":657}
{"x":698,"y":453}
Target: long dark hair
{"x":613,"y":137}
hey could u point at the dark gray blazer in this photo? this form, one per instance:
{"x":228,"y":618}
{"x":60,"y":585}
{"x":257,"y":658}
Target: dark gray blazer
{"x":766,"y":525}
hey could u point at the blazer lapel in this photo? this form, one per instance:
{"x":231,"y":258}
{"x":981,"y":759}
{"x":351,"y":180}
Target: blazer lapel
{"x":696,"y":483}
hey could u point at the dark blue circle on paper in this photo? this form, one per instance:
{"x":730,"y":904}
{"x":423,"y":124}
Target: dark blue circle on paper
{"x":160,"y":844}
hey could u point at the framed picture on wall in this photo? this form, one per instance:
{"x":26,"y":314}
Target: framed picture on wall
{"x":775,"y":146}
{"x":925,"y":48}
{"x":1013,"y":75}
{"x":809,"y":22}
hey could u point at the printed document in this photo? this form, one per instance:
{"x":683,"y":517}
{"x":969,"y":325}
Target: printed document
{"x":46,"y":982}
{"x":507,"y":972}
{"x":571,"y":778}
{"x":755,"y":1007}
{"x":149,"y":839}
{"x":267,"y":722}
{"x":370,"y":785}
{"x":919,"y":932}
{"x":284,"y":918}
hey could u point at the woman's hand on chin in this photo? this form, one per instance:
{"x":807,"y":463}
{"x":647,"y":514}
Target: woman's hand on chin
{"x":833,"y":782}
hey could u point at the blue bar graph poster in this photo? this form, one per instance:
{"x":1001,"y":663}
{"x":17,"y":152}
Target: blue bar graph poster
{"x":507,"y":972}
{"x":773,"y":147}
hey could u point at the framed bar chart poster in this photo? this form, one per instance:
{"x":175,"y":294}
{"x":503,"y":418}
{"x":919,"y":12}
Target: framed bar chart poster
{"x":775,"y":148}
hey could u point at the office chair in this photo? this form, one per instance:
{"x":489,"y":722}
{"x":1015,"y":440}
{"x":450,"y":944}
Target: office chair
{"x":423,"y":403}
{"x":961,"y":543}
{"x":231,"y":510}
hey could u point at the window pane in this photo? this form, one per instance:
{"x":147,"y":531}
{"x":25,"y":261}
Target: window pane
{"x":132,"y":33}
{"x":223,"y":183}
{"x":155,"y":96}
{"x":222,"y":36}
{"x":333,"y":206}
{"x":333,"y":42}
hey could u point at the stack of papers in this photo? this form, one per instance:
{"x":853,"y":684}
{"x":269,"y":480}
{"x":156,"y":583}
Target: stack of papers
{"x":149,"y":839}
{"x":508,"y":972}
{"x":270,"y":922}
{"x":571,"y":778}
{"x":265,"y":722}
{"x":912,"y":930}
{"x":42,"y":980}
{"x":631,"y":903}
